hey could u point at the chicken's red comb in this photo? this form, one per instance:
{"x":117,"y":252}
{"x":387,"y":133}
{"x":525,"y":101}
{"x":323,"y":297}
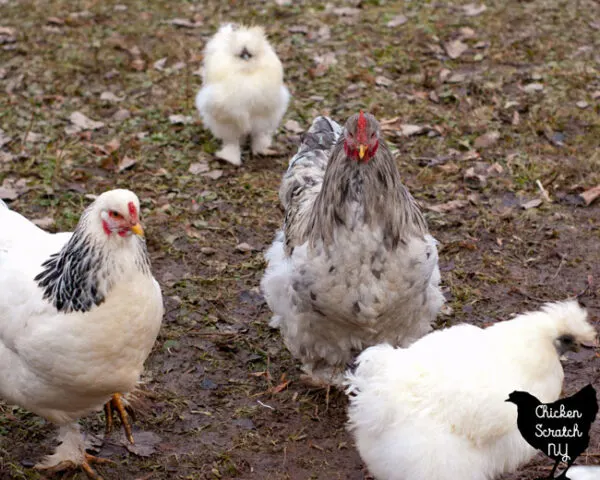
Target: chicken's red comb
{"x":362,"y":122}
{"x":132,"y":211}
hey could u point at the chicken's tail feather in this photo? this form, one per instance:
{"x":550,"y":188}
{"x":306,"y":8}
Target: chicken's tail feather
{"x":322,"y":135}
{"x":2,"y":204}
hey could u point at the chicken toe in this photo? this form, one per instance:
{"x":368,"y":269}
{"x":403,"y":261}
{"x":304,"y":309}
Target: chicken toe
{"x":70,"y":454}
{"x":84,"y":464}
{"x":261,"y":144}
{"x":230,"y":153}
{"x":124,"y":411}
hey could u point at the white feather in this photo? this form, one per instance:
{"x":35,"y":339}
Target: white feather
{"x":437,"y":409}
{"x":64,"y":365}
{"x":584,"y":473}
{"x":241,"y":97}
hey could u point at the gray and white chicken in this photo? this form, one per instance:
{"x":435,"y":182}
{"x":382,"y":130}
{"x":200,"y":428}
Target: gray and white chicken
{"x":353,"y":265}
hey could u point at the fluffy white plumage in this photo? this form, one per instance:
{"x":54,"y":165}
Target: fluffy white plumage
{"x":584,"y":472}
{"x":353,"y":265}
{"x":437,"y":409}
{"x":79,"y":314}
{"x":243,"y":92}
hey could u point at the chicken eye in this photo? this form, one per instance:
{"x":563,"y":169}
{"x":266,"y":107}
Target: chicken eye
{"x":114,"y":214}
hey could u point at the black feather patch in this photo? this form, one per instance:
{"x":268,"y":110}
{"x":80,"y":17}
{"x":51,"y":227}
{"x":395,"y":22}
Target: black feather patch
{"x":71,"y":278}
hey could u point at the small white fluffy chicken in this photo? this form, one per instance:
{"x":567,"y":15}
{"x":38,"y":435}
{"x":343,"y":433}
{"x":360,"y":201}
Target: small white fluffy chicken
{"x":243,"y":92}
{"x":79,"y":314}
{"x":437,"y":409}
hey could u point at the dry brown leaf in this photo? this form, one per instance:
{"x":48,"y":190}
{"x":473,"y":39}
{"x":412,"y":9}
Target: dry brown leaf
{"x":323,"y":62}
{"x":486,"y":140}
{"x":474,"y":179}
{"x":536,"y":202}
{"x":12,"y":189}
{"x":45,"y":222}
{"x":125,"y":163}
{"x":145,"y":444}
{"x":472,"y":10}
{"x":383,"y":81}
{"x":214,"y":174}
{"x":110,"y":97}
{"x":160,"y":64}
{"x":409,"y":130}
{"x":138,"y":64}
{"x":448,"y":206}
{"x":455,"y":48}
{"x":7,"y":193}
{"x":182,"y":22}
{"x":8,"y":31}
{"x":33,"y":137}
{"x":590,"y":195}
{"x":533,"y":87}
{"x":82,"y":122}
{"x":6,"y":157}
{"x":346,"y":11}
{"x":55,"y":21}
{"x":279,"y":388}
{"x":293,"y":126}
{"x":180,"y":119}
{"x":199,"y":167}
{"x":121,"y":115}
{"x":113,"y":145}
{"x":298,"y":29}
{"x":4,"y":139}
{"x":466,"y":32}
{"x":397,"y":21}
{"x":244,"y":247}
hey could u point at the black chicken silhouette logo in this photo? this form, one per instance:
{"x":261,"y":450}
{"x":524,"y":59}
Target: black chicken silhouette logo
{"x":559,"y":429}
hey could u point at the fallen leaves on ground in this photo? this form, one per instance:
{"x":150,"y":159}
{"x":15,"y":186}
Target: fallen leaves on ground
{"x":455,"y":48}
{"x":81,"y":122}
{"x":181,"y":119}
{"x":293,"y":126}
{"x":590,"y":195}
{"x":472,"y":10}
{"x":397,"y":21}
{"x":12,"y":189}
{"x":447,"y":207}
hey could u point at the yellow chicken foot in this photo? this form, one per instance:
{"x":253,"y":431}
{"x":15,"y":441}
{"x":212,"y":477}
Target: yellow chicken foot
{"x":85,"y":465}
{"x":124,"y":412}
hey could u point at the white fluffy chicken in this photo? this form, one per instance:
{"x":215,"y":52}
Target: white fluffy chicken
{"x":584,"y":472}
{"x":79,"y":314}
{"x":243,"y":92}
{"x":354,"y":265}
{"x":437,"y":410}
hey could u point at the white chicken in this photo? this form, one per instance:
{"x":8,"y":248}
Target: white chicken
{"x":437,"y":410}
{"x":243,"y":92}
{"x":79,"y":314}
{"x":354,"y":265}
{"x":584,"y":472}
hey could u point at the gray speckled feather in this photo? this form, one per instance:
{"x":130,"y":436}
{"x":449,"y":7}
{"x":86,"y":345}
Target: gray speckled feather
{"x":353,"y":265}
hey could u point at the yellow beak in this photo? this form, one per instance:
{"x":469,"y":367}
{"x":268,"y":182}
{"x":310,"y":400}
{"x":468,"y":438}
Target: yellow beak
{"x":138,"y":230}
{"x":361,"y":151}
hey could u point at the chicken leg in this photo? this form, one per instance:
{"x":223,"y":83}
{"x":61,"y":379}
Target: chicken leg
{"x":85,"y":465}
{"x":71,"y":454}
{"x":124,"y":411}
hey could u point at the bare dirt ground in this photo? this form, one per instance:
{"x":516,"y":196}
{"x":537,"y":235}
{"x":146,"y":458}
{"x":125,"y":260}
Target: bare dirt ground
{"x":503,"y":98}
